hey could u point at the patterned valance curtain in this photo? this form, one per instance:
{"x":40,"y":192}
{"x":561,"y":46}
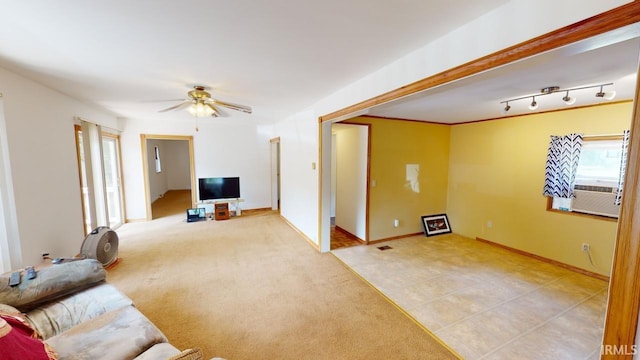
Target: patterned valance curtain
{"x":623,"y":165}
{"x":562,"y":163}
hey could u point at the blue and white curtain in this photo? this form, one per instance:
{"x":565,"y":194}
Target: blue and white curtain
{"x":623,"y":165}
{"x":562,"y":163}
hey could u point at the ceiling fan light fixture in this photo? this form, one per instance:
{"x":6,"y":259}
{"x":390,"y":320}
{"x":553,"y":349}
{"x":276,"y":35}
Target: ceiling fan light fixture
{"x":201,"y":104}
{"x":534,"y":104}
{"x":568,"y":99}
{"x":200,"y":109}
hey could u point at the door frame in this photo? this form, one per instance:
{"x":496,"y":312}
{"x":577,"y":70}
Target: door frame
{"x":145,"y":167}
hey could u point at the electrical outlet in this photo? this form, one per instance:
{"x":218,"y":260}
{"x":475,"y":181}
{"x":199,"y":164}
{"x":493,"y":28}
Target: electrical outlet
{"x":585,"y":247}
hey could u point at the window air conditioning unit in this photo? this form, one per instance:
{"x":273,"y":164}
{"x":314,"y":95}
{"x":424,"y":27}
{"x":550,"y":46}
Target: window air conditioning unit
{"x":596,"y":200}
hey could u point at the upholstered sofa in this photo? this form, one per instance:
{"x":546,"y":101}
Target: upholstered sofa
{"x":71,"y":312}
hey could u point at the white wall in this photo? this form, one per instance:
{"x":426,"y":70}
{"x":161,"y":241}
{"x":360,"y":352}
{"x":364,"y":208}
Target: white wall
{"x":351,"y":179}
{"x":510,"y":24}
{"x":223,"y":147}
{"x":157,"y":180}
{"x":42,"y":167}
{"x":299,"y":180}
{"x":176,"y":156}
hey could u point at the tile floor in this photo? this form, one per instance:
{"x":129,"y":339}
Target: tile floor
{"x":486,"y":302}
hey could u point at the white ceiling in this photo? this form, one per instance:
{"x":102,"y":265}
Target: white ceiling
{"x":277,"y":54}
{"x":607,"y":58}
{"x":280,"y":55}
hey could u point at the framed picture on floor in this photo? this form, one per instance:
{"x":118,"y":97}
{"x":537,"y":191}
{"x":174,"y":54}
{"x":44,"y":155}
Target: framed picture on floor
{"x":435,"y":224}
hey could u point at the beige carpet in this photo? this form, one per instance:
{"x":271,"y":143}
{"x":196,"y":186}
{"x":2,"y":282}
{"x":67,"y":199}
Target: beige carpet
{"x":252,"y":288}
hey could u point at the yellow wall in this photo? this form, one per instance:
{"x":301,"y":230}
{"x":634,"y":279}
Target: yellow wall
{"x":394,"y":144}
{"x":496,"y":174}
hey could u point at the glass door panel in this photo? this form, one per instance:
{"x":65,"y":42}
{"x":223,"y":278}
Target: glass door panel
{"x":111,"y":161}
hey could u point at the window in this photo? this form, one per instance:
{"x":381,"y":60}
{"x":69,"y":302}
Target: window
{"x":599,"y":163}
{"x":158,"y":165}
{"x":597,"y":178}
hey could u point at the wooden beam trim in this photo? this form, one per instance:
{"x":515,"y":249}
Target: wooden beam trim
{"x":616,"y":18}
{"x":624,"y":289}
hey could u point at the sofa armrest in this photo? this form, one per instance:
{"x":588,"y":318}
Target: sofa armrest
{"x":119,"y":334}
{"x":62,"y":314}
{"x":51,"y":282}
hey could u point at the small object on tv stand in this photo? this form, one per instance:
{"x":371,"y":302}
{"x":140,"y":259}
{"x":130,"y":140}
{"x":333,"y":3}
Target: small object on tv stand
{"x":221,"y":211}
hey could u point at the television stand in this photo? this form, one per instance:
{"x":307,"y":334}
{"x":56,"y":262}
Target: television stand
{"x":234,"y":205}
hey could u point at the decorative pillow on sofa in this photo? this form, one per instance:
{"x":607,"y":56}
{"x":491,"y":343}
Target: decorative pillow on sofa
{"x":20,"y":342}
{"x":51,"y":283}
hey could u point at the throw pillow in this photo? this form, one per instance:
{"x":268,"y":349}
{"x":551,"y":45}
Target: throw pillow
{"x":15,"y":334}
{"x":189,"y":354}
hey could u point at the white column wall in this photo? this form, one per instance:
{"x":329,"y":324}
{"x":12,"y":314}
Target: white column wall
{"x":298,"y":179}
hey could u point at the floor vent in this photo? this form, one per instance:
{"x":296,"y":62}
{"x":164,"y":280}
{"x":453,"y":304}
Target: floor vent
{"x":386,"y":247}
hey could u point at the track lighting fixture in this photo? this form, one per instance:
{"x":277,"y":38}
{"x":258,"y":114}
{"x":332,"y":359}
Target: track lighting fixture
{"x":609,"y":95}
{"x":567,"y":99}
{"x":506,"y":108}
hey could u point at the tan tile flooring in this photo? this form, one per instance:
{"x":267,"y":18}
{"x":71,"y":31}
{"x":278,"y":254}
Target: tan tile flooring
{"x":486,"y":302}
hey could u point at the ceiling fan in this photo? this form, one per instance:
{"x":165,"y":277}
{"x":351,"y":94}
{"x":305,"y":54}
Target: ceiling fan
{"x":200,"y":104}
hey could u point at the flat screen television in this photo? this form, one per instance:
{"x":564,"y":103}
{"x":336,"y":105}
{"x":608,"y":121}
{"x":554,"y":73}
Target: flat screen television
{"x":219,"y":188}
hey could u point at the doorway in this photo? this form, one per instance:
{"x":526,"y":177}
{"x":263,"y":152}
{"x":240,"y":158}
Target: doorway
{"x":350,"y":147}
{"x":275,"y":174}
{"x":168,"y":164}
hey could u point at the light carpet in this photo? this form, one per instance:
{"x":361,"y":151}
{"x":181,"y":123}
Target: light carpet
{"x":253,"y":288}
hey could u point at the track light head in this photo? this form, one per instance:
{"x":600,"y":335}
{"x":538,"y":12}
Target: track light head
{"x":607,"y":95}
{"x":507,"y":108}
{"x":534,"y":104}
{"x":568,"y":99}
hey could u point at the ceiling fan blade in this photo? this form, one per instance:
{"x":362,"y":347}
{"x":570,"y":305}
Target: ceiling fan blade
{"x":221,"y":112}
{"x":176,"y":107}
{"x":245,"y":109}
{"x":216,"y":111}
{"x":162,"y":100}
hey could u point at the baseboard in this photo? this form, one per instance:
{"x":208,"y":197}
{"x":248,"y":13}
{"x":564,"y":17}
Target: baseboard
{"x":135,"y":220}
{"x":350,"y":234}
{"x":309,"y":240}
{"x":395,"y":238}
{"x":254,"y":210}
{"x":547,"y":260}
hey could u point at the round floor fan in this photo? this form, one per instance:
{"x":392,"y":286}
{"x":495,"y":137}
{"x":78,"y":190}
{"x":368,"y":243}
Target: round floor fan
{"x":101,"y":244}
